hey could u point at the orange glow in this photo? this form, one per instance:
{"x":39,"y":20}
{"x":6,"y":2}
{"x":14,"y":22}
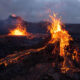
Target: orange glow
{"x":58,"y":33}
{"x":13,"y":15}
{"x":19,"y":31}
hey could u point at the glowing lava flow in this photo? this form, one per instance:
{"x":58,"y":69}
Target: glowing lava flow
{"x":19,"y":31}
{"x":18,"y":56}
{"x":58,"y":33}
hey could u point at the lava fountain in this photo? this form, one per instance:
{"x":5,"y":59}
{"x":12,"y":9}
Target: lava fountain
{"x":59,"y":33}
{"x":18,"y":31}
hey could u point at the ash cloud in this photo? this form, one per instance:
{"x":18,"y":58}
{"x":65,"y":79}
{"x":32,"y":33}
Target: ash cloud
{"x":37,"y":10}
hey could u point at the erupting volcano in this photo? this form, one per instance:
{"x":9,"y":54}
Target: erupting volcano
{"x":18,"y":31}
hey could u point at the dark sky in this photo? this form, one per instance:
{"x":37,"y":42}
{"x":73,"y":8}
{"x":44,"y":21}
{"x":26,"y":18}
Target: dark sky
{"x":37,"y":10}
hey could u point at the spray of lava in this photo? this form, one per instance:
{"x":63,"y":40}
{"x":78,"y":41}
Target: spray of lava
{"x":58,"y":33}
{"x":19,"y":31}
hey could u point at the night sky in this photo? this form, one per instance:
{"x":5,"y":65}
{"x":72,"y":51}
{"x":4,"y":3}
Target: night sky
{"x":38,"y":10}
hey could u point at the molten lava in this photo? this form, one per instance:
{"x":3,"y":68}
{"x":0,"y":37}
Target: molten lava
{"x":19,"y":31}
{"x":18,"y":56}
{"x":58,"y":33}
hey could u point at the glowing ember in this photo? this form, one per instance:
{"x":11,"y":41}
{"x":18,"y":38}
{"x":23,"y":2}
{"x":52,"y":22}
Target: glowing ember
{"x":13,"y":15}
{"x":58,"y":33}
{"x":19,"y":31}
